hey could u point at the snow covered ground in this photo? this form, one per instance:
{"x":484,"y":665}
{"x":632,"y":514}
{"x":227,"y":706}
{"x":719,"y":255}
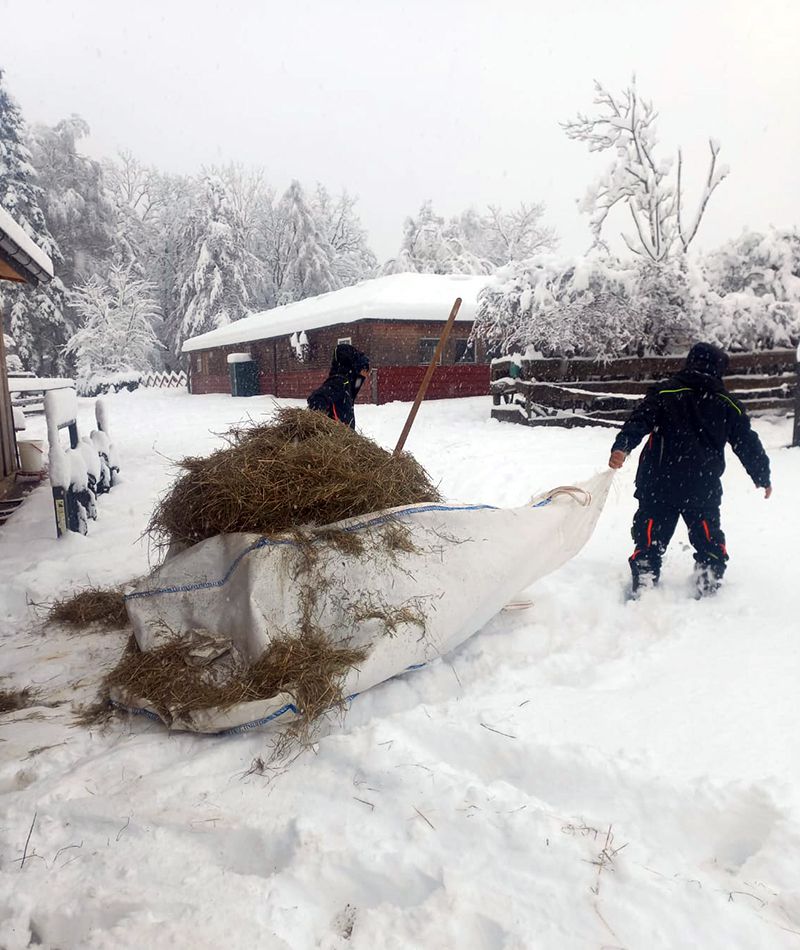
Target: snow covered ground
{"x":584,"y":773}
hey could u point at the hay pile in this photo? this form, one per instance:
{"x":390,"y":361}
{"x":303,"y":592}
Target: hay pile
{"x":13,"y":699}
{"x":197,"y":672}
{"x":300,"y":469}
{"x":102,"y":606}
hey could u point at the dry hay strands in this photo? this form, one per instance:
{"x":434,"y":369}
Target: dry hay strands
{"x":103,"y":606}
{"x":396,"y":538}
{"x":308,"y":667}
{"x":300,"y":469}
{"x":391,"y":617}
{"x":13,"y":699}
{"x":348,"y":542}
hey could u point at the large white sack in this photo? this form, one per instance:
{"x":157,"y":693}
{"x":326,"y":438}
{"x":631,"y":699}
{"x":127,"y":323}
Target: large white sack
{"x":468,"y":562}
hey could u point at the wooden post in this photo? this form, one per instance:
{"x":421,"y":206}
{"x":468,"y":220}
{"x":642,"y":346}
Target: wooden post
{"x":423,"y":386}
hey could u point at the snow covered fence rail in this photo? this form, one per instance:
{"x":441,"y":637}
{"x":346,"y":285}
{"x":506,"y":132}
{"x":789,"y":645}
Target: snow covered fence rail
{"x":584,"y":392}
{"x":83,"y":471}
{"x":27,"y":391}
{"x":173,"y":380}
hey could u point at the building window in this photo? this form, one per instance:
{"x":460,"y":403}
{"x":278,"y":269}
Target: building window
{"x":427,"y":347}
{"x":198,"y":363}
{"x":345,"y":339}
{"x":465,"y":351}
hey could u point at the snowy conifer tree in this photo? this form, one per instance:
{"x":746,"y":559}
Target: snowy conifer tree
{"x":309,"y":254}
{"x":34,"y":317}
{"x":116,"y":338}
{"x":77,"y":207}
{"x":215,"y":290}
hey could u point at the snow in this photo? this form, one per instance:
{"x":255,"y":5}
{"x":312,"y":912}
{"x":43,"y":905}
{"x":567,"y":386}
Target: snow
{"x":240,"y":358}
{"x":61,"y":407}
{"x":101,"y":413}
{"x":583,"y":773}
{"x":38,"y":384}
{"x":393,"y":297}
{"x":25,"y":244}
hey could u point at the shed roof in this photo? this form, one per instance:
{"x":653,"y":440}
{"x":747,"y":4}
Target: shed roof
{"x":393,"y":297}
{"x":26,"y":259}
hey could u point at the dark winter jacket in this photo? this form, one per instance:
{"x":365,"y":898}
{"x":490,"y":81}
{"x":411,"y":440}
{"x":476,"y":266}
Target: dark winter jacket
{"x":337,"y":395}
{"x":687,"y":421}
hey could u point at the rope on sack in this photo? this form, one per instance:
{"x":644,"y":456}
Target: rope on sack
{"x":583,"y":497}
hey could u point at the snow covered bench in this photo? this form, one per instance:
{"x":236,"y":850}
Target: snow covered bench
{"x":83,"y":471}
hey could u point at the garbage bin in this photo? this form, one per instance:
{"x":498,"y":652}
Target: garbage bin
{"x":244,"y":374}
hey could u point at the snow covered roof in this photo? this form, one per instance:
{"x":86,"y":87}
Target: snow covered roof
{"x":394,"y":297}
{"x":26,"y":257}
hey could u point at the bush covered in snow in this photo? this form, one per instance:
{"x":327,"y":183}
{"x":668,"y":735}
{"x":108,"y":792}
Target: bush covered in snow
{"x":591,"y":306}
{"x":745,"y":296}
{"x":98,"y":384}
{"x":751,"y":291}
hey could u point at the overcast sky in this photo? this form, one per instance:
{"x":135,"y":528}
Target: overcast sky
{"x":454,"y":100}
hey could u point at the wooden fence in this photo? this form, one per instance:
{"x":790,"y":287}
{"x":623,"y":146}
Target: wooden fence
{"x":173,"y":380}
{"x":581,"y":392}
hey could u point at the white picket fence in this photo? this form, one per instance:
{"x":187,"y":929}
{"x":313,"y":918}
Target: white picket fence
{"x":173,"y":380}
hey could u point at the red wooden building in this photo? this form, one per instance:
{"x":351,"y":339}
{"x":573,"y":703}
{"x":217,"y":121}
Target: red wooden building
{"x":396,"y":320}
{"x":24,"y":262}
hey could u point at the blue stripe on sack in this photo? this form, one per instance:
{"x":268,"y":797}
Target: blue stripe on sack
{"x":273,"y":542}
{"x":247,"y":726}
{"x":244,"y":727}
{"x":137,"y":711}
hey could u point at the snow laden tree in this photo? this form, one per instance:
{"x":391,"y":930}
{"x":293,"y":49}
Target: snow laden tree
{"x":153,"y":214}
{"x":471,"y":243}
{"x":560,"y":308}
{"x":116,"y":341}
{"x":34,"y":316}
{"x":499,"y":237}
{"x":77,"y":207}
{"x":307,"y":252}
{"x":649,"y":188}
{"x":351,"y":258}
{"x":751,"y":292}
{"x":598,"y":307}
{"x":214,"y":292}
{"x":432,"y":246}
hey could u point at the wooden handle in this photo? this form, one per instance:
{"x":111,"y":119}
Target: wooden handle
{"x":423,"y":386}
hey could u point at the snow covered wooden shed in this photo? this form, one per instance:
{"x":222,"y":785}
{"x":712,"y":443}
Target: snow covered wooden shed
{"x":21,"y":260}
{"x":396,"y":320}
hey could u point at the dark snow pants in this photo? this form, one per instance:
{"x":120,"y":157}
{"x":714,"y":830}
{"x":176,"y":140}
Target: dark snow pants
{"x":653,"y":527}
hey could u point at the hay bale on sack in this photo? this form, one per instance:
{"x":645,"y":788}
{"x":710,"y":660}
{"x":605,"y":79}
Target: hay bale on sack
{"x":302,"y":468}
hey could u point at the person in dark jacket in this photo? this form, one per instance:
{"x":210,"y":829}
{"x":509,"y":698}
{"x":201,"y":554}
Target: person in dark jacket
{"x":687,"y":422}
{"x":337,"y":395}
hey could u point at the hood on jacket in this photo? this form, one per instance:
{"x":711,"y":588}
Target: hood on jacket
{"x":708,"y":360}
{"x":348,"y":362}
